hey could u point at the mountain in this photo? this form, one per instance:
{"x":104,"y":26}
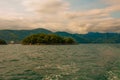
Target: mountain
{"x":77,"y":37}
{"x":18,"y":35}
{"x":102,"y":37}
{"x":91,"y":37}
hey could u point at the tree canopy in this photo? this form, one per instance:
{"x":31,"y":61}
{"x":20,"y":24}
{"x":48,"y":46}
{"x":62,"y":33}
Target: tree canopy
{"x":2,"y":42}
{"x":47,"y":39}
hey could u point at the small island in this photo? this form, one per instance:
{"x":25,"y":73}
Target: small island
{"x":3,"y":42}
{"x":47,"y":39}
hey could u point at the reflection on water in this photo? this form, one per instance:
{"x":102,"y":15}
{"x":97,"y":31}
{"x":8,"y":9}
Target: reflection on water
{"x":62,"y":62}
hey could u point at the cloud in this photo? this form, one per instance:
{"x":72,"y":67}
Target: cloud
{"x":15,"y":23}
{"x":47,"y":10}
{"x":57,"y":15}
{"x":46,"y":6}
{"x":111,"y":2}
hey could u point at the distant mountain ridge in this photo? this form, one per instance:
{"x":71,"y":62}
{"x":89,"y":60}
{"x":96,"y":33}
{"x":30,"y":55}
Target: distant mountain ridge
{"x":91,"y":37}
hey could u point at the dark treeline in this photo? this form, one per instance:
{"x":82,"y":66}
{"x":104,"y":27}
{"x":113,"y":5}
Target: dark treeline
{"x":91,"y":37}
{"x":47,"y":39}
{"x":2,"y":42}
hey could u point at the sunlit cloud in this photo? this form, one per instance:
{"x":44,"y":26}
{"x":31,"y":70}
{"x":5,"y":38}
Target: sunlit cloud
{"x":57,"y":15}
{"x":47,"y":7}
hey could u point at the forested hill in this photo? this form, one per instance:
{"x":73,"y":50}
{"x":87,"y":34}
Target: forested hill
{"x":18,"y":35}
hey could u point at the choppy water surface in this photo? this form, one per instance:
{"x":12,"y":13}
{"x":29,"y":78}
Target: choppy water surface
{"x":62,"y":62}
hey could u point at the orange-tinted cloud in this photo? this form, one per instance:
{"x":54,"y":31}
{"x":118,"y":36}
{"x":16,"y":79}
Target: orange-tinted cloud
{"x":57,"y":15}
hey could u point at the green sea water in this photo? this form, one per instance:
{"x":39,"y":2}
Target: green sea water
{"x":60,"y":62}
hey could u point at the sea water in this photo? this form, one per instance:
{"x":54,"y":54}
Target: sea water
{"x":60,"y":62}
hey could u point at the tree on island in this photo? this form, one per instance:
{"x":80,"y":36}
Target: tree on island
{"x":3,"y":42}
{"x":47,"y":39}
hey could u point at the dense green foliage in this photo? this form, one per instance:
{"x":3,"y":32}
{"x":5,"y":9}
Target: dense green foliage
{"x":47,"y":39}
{"x":2,"y":42}
{"x":92,"y":37}
{"x":18,"y":35}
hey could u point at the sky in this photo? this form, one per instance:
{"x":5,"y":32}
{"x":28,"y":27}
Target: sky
{"x":75,"y":16}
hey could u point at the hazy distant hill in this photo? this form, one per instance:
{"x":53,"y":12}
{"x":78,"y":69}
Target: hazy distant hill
{"x":18,"y":35}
